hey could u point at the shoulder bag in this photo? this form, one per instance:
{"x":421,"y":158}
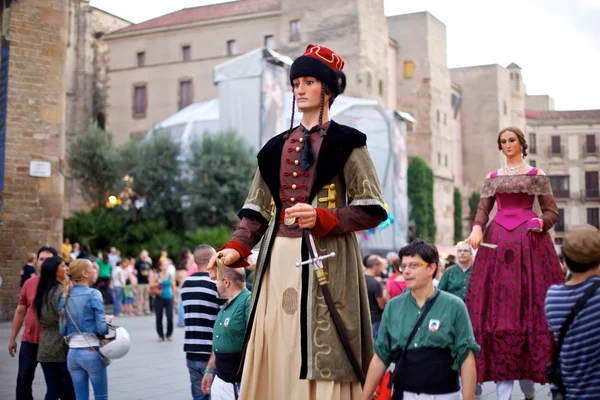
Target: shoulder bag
{"x":105,"y":360}
{"x":399,"y":353}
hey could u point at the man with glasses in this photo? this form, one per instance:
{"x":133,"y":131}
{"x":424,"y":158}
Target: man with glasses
{"x":456,"y":278}
{"x":442,"y":346}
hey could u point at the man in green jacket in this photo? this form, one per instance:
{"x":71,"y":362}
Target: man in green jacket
{"x":443,"y":346}
{"x":223,"y":373}
{"x":456,"y":277}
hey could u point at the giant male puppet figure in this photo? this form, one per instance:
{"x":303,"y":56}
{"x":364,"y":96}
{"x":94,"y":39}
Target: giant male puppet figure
{"x":317,"y":176}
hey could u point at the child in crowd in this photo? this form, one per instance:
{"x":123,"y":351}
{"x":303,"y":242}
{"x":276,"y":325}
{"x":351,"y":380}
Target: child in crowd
{"x":129,"y":296}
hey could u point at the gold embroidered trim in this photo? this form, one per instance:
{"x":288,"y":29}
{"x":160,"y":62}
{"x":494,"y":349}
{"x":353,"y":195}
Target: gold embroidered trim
{"x":535,"y":185}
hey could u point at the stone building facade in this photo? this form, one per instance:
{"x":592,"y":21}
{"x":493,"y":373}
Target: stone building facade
{"x":566,"y":145}
{"x":424,"y":90}
{"x":33,"y":206}
{"x":171,"y":57}
{"x":491,"y":100}
{"x":86,"y":75}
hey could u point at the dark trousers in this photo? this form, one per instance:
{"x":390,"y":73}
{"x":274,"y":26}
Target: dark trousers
{"x":160,"y":305}
{"x":103,"y":285}
{"x":58,"y":381}
{"x":27,"y":365}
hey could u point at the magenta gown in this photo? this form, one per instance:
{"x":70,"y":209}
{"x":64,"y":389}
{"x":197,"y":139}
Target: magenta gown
{"x":508,"y":285}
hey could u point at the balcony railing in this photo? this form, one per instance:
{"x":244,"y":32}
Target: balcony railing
{"x":554,"y":151}
{"x":561,"y":193}
{"x":590,"y":150}
{"x":592,"y":194}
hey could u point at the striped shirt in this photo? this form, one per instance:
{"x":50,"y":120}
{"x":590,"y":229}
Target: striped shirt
{"x":580,"y":354}
{"x":201,"y":304}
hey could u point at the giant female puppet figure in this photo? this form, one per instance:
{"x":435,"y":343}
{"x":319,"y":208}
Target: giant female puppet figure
{"x":316,"y":176}
{"x":508,"y":283}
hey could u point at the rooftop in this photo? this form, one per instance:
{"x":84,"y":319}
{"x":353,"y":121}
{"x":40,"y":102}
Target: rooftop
{"x":566,"y":116}
{"x":205,"y":13}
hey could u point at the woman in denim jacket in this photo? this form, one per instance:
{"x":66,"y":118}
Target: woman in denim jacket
{"x":82,"y":322}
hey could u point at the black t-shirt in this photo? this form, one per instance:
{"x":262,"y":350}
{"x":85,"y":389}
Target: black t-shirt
{"x":374,"y":291}
{"x":26,"y":274}
{"x":143,"y":271}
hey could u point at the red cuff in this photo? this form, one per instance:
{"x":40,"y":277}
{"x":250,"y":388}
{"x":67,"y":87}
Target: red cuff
{"x":240,"y":248}
{"x":326,"y":221}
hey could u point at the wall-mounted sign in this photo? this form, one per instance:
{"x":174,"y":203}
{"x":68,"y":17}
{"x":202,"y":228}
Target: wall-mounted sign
{"x":41,"y":169}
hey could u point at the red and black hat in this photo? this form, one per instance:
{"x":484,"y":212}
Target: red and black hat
{"x":323,"y":64}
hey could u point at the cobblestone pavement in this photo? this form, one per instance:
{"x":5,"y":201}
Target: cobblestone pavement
{"x":151,"y":370}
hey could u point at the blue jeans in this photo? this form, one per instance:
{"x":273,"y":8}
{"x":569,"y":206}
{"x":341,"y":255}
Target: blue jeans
{"x":58,"y":381}
{"x":118,"y":297}
{"x":85,"y":366}
{"x":180,"y":319}
{"x":27,"y":365}
{"x":196,"y":369}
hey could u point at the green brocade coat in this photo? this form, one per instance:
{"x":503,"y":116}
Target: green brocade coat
{"x":344,"y":161}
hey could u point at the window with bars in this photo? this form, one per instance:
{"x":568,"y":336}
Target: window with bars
{"x":593,"y":217}
{"x":533,"y":163}
{"x":560,"y":224}
{"x":532,"y":143}
{"x":590,"y":144}
{"x":556,"y":148}
{"x":185,"y":93}
{"x":231,"y":48}
{"x":560,"y":186}
{"x":141,"y":58}
{"x":186,"y":53}
{"x":140,"y":101}
{"x":295,"y":30}
{"x":591,"y":185}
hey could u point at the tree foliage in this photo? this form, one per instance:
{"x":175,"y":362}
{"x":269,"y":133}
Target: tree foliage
{"x":94,"y":163}
{"x":158,"y":187}
{"x":157,"y":183}
{"x":458,"y":228}
{"x":221,"y":170}
{"x":473,"y":204}
{"x":102,"y":228}
{"x":420,"y":197}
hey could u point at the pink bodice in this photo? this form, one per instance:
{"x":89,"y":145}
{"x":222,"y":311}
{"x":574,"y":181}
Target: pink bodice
{"x":514,"y":208}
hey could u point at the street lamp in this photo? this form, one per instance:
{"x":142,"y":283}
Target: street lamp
{"x":112,"y":201}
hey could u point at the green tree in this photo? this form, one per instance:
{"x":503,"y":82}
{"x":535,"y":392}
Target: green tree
{"x":94,"y":163}
{"x":473,"y":204}
{"x":458,"y":228}
{"x":221,"y":170}
{"x":216,"y":237}
{"x":420,"y":197}
{"x":155,"y":166}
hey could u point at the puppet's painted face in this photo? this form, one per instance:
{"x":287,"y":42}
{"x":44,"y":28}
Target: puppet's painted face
{"x":308,"y":93}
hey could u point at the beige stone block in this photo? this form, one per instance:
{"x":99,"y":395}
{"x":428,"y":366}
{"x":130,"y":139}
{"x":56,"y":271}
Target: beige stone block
{"x":52,"y":114}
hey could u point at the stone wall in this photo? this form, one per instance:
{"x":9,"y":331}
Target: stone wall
{"x":86,"y":77}
{"x":421,"y":40}
{"x":32,"y":213}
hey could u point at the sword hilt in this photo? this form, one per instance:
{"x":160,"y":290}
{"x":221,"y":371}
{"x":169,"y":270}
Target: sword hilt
{"x":314,"y":260}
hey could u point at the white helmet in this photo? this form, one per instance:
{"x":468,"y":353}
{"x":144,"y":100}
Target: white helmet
{"x":118,"y":344}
